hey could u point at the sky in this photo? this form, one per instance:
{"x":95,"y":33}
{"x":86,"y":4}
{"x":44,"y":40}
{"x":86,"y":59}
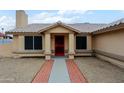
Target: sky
{"x":7,"y":17}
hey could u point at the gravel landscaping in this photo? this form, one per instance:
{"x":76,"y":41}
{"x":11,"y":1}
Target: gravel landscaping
{"x":19,"y":70}
{"x":23,"y":70}
{"x":99,"y":71}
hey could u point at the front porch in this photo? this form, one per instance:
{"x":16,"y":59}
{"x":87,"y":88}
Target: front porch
{"x":59,"y":45}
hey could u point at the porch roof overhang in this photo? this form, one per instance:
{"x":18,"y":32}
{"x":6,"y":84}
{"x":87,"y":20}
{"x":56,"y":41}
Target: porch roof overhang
{"x":59,"y":23}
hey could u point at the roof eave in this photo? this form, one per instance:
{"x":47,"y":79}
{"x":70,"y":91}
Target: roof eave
{"x":18,"y":32}
{"x":109,"y":29}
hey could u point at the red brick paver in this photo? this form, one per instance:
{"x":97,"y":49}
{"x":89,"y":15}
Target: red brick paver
{"x":75,"y":74}
{"x":43,"y":75}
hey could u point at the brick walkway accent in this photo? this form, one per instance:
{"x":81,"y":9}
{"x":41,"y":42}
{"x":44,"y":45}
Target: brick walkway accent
{"x":43,"y":75}
{"x":75,"y":74}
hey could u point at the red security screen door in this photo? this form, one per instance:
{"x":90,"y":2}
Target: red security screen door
{"x":59,"y":45}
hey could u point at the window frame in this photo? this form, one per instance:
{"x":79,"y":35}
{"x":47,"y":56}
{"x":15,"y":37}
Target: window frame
{"x":76,"y":42}
{"x":33,"y":43}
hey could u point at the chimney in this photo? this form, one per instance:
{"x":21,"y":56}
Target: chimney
{"x":21,"y":18}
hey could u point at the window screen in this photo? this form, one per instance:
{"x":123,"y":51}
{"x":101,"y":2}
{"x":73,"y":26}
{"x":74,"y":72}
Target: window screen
{"x":81,"y":42}
{"x":28,"y":42}
{"x":37,"y":42}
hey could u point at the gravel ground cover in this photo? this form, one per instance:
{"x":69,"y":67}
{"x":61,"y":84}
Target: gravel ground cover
{"x":99,"y":71}
{"x":19,"y":70}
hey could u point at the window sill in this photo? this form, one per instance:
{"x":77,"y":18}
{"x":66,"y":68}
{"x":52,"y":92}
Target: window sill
{"x":83,"y":51}
{"x":29,"y":52}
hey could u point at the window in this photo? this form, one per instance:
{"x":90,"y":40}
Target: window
{"x":37,"y":42}
{"x":81,"y":42}
{"x":29,"y":42}
{"x":33,"y":42}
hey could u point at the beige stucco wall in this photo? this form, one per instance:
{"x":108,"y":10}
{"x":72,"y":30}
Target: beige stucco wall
{"x":110,"y":47}
{"x":59,"y":29}
{"x":18,"y":43}
{"x":111,"y":42}
{"x":21,"y":42}
{"x":66,"y":42}
{"x":6,"y":50}
{"x":15,"y":43}
{"x":89,"y":42}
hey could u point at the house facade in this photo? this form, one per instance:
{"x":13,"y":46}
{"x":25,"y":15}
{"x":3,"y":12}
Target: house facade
{"x":60,"y":39}
{"x":57,"y":39}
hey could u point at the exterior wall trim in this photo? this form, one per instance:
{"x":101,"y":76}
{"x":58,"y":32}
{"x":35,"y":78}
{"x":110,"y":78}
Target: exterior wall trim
{"x":110,"y":55}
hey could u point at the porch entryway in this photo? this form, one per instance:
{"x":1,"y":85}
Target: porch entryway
{"x":59,"y":41}
{"x":59,"y":45}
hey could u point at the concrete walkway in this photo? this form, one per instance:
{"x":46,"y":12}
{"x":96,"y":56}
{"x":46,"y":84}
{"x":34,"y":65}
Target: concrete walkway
{"x":59,"y":73}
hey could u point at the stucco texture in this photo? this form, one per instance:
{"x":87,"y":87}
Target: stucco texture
{"x":111,"y":42}
{"x":6,"y":50}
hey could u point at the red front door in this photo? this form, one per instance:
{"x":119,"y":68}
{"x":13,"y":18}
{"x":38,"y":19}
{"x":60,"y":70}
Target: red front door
{"x":59,"y":45}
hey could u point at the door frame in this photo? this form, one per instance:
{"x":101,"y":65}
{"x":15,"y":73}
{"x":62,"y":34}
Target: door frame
{"x":62,"y":45}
